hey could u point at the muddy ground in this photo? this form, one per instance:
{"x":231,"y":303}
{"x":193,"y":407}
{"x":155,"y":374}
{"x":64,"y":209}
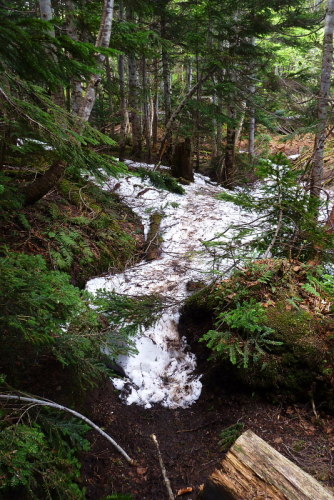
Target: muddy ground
{"x":189,"y":439}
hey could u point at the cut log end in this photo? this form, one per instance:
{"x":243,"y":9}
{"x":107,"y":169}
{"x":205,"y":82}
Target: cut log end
{"x":252,"y":469}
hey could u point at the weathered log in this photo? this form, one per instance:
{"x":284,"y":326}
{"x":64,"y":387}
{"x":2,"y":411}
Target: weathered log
{"x":252,"y":469}
{"x":154,"y":240}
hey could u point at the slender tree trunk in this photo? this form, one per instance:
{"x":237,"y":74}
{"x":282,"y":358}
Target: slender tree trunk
{"x":189,"y":74}
{"x":45,"y":7}
{"x":166,"y":78}
{"x":323,"y":102}
{"x":155,"y":106}
{"x":173,"y":117}
{"x":197,"y":115}
{"x":251,"y":141}
{"x":110,"y":101}
{"x":228,"y":172}
{"x":166,"y":71}
{"x":240,"y":124}
{"x":122,"y":96}
{"x":71,"y":28}
{"x":123,"y":107}
{"x":103,"y":40}
{"x":134,"y":101}
{"x":146,"y":111}
{"x":46,"y":13}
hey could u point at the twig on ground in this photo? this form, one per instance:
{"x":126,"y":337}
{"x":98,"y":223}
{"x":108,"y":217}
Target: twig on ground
{"x":163,"y":469}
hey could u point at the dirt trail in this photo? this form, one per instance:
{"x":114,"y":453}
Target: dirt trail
{"x":189,"y":438}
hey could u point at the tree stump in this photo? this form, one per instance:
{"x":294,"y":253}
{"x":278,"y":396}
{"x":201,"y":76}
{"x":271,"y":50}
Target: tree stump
{"x":182,"y":165}
{"x":253,"y":470}
{"x":154,"y":239}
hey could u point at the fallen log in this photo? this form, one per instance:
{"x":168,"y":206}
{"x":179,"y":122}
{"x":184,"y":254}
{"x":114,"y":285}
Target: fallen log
{"x":253,"y":470}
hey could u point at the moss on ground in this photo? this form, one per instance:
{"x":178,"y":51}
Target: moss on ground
{"x":79,"y":229}
{"x":295,"y":301}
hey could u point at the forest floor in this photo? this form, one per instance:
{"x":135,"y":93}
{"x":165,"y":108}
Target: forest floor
{"x":189,"y":439}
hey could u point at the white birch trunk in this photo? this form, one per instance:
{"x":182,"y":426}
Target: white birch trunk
{"x":103,"y":40}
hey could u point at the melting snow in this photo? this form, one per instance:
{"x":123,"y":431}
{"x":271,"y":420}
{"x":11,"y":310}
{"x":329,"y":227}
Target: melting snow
{"x":163,"y":371}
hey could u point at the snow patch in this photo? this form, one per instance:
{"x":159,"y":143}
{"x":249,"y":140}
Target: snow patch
{"x":163,"y":371}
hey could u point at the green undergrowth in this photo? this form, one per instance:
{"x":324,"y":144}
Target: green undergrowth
{"x":273,"y":327}
{"x":79,"y":229}
{"x":161,"y":180}
{"x":54,"y":344}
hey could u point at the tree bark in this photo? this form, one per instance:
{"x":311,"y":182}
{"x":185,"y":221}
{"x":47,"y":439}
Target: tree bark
{"x":173,"y":117}
{"x":45,"y":7}
{"x":253,"y":469}
{"x":182,"y":165}
{"x":323,"y":102}
{"x":134,"y":102}
{"x":122,"y":96}
{"x":166,"y":70}
{"x":110,"y":101}
{"x":240,"y":124}
{"x":155,"y":106}
{"x":147,"y":125}
{"x":103,"y":40}
{"x":228,"y":172}
{"x":71,"y":28}
{"x":42,"y":185}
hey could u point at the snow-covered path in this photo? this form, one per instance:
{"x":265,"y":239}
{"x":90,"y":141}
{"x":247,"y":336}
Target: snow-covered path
{"x":163,"y":370}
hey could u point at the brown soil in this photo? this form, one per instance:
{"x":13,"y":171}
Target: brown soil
{"x":189,"y":438}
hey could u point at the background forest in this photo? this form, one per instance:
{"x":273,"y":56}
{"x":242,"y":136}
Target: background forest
{"x":204,"y":86}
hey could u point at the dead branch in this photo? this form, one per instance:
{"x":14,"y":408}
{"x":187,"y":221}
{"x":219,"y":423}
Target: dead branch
{"x":163,"y":469}
{"x":51,"y":404}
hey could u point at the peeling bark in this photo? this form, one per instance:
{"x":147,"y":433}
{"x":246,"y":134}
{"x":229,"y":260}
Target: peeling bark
{"x":103,"y":40}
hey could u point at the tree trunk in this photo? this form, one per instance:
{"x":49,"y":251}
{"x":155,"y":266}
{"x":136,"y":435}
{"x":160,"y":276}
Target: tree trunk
{"x":173,"y":117}
{"x":155,"y":106}
{"x":251,"y":141}
{"x":197,"y":114}
{"x":134,"y":102}
{"x":166,"y":71}
{"x":182,"y":165}
{"x":166,"y":77}
{"x":253,"y":469}
{"x":110,"y":101}
{"x":103,"y":40}
{"x":228,"y":173}
{"x":122,"y":96}
{"x":42,"y":185}
{"x":45,"y":7}
{"x":71,"y":28}
{"x":323,"y":102}
{"x":147,"y":126}
{"x":240,"y":124}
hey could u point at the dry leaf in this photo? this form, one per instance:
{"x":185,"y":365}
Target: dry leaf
{"x":141,"y":470}
{"x":278,"y":440}
{"x":183,"y":491}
